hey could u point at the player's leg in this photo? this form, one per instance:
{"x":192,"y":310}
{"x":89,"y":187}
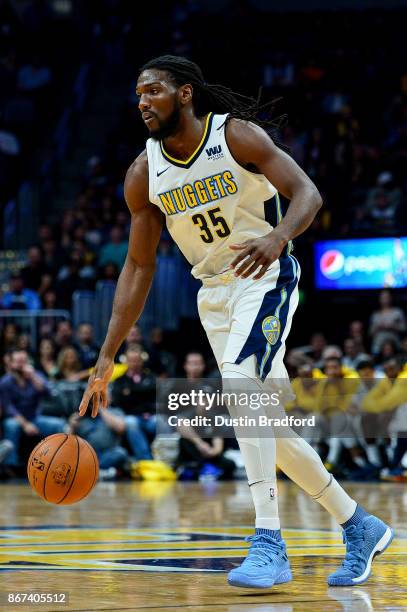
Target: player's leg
{"x":260,"y":310}
{"x":365,"y":535}
{"x":266,"y":563}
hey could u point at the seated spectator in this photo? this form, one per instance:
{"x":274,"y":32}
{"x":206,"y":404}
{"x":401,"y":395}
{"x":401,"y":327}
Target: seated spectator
{"x":133,"y":338}
{"x":104,"y":433}
{"x":109,"y":272}
{"x":69,"y":365}
{"x":161,"y":361}
{"x":72,"y":277}
{"x":201,"y":454}
{"x":194,"y":366}
{"x":21,"y":391}
{"x":87,"y":348}
{"x":64,"y":334}
{"x":9,"y":337}
{"x":23,"y":343}
{"x":115,"y":251}
{"x":6,"y":446}
{"x":390,"y":396}
{"x":46,"y":358}
{"x":387,"y":322}
{"x":34,"y":271}
{"x":351,"y":353}
{"x":357,"y":333}
{"x":371,"y":424}
{"x":18,"y":297}
{"x":134,"y":393}
{"x":383,"y":201}
{"x":335,"y":404}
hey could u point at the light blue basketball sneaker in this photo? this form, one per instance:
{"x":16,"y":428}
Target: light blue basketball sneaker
{"x":364,"y":541}
{"x":266,"y":564}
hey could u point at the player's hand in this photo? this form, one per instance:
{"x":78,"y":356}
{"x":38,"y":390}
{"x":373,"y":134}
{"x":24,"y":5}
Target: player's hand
{"x":257,"y":253}
{"x":97,"y":387}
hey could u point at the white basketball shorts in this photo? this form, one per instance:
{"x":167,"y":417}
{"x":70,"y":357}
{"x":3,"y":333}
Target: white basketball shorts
{"x":244,"y":317}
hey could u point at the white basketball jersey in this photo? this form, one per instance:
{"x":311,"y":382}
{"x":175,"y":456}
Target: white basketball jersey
{"x":209,"y":200}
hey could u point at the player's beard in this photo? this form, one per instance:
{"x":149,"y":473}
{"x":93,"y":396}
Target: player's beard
{"x":168,"y":127}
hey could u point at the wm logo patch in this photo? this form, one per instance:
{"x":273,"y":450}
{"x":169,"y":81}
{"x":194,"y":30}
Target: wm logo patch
{"x":214,"y":152}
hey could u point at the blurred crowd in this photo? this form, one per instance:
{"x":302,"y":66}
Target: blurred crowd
{"x":347,"y":127}
{"x":357,"y":392}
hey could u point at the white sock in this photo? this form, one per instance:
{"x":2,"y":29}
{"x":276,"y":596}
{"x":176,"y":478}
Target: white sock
{"x":259,"y":453}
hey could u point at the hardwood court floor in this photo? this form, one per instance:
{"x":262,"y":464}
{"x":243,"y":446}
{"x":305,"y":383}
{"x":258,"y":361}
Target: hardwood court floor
{"x":167,"y":546}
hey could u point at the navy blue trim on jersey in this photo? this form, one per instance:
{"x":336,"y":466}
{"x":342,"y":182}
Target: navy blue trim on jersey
{"x":274,"y":312}
{"x":196,"y":153}
{"x":273,"y":214}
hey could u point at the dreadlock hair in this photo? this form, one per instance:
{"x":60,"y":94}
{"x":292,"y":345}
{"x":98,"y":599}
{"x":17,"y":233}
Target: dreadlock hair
{"x":218,"y":98}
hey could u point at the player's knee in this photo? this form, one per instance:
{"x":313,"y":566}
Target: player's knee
{"x":245,"y":369}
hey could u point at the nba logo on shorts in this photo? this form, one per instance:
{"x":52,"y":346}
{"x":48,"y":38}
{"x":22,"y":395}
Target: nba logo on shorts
{"x":271,"y":329}
{"x":272,"y":493}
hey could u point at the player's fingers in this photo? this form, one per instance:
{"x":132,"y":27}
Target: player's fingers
{"x":103,"y":396}
{"x":240,"y":257}
{"x":95,"y":404}
{"x":262,"y":271}
{"x":83,"y":406}
{"x":238,"y":247}
{"x":251,"y":269}
{"x":247,"y":263}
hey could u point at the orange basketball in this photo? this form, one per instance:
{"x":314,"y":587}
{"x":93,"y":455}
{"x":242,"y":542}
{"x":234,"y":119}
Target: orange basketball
{"x":63,"y":469}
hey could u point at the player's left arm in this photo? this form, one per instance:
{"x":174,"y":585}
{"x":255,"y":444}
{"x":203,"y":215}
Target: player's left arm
{"x":253,"y":149}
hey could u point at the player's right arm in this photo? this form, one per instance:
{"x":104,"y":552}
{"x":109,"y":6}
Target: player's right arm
{"x":134,"y":281}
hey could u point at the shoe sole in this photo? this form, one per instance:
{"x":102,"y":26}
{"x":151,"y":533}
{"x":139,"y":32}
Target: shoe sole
{"x":380,"y":547}
{"x":285,"y":576}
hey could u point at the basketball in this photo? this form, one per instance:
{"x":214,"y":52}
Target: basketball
{"x":63,"y":469}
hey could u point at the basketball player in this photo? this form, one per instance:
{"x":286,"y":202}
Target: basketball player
{"x":208,"y":168}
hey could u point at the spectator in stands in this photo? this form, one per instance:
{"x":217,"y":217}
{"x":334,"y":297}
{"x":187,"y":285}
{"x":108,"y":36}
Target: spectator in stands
{"x":64,"y":334}
{"x":114,"y":251}
{"x":21,"y":391}
{"x":317,"y":345}
{"x":357,"y":333}
{"x":351,"y":353}
{"x":18,"y":297}
{"x":72,"y":277}
{"x":161,"y":361}
{"x":134,"y":393}
{"x":383,"y":201}
{"x":87,"y":348}
{"x":335,"y":404}
{"x":6,"y":446}
{"x":201,"y":451}
{"x":34,"y":271}
{"x":109,"y":272}
{"x":194,"y":365}
{"x":105,"y":434}
{"x":387,"y":322}
{"x":371,"y":425}
{"x":46,"y":358}
{"x":389,"y":399}
{"x":23,"y":343}
{"x":9,"y":337}
{"x":69,"y":365}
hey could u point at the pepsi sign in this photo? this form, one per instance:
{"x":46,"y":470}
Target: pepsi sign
{"x":366,"y":263}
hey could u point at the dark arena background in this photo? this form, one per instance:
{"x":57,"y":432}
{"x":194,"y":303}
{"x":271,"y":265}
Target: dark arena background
{"x":159,"y":531}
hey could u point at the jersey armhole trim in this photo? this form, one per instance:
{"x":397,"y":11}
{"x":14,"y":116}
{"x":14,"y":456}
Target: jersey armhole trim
{"x":245,"y":170}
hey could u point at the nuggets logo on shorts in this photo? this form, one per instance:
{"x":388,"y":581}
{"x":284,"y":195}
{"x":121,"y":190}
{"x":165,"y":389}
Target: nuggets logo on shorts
{"x":271,"y":329}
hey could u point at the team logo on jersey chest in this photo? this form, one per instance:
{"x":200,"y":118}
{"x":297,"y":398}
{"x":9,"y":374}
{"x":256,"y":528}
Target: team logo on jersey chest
{"x":214,"y":152}
{"x":271,"y":329}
